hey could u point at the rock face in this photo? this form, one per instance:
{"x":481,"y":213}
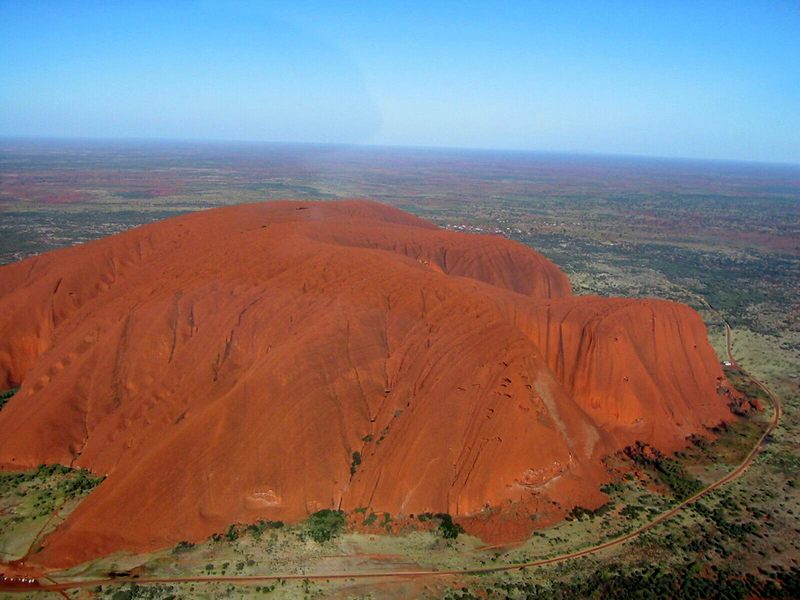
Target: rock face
{"x":224,"y":366}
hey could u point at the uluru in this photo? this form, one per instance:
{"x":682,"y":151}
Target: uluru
{"x":227,"y":366}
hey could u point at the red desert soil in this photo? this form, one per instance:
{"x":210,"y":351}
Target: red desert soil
{"x":223,"y":366}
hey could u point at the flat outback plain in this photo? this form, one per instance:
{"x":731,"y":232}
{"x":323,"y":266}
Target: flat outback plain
{"x":412,"y":373}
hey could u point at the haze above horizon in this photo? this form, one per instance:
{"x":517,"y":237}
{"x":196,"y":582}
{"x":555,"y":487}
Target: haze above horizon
{"x":718,"y":81}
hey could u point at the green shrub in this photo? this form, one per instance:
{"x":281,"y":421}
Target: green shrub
{"x":232,"y":533}
{"x":670,"y":472}
{"x":4,"y":396}
{"x":632,"y":511}
{"x":610,"y":488}
{"x":325,"y":524}
{"x":258,"y":528}
{"x":355,"y":463}
{"x":578,"y":512}
{"x":82,"y":482}
{"x":447,"y":528}
{"x":183,"y":546}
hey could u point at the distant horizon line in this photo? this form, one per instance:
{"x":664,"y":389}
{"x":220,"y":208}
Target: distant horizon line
{"x":365,"y":145}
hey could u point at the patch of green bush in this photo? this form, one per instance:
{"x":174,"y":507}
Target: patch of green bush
{"x":632,"y":511}
{"x":616,"y":582}
{"x":259,"y":527}
{"x":670,"y":472}
{"x":355,"y":463}
{"x":578,"y":512}
{"x":325,"y":524}
{"x":183,"y":546}
{"x":232,"y":534}
{"x":610,"y":488}
{"x":448,"y":529}
{"x":4,"y":396}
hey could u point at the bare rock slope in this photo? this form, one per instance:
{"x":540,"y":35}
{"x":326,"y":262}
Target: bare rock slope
{"x":224,"y":366}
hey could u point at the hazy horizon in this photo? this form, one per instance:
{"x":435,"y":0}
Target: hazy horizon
{"x":254,"y":144}
{"x":717,"y":81}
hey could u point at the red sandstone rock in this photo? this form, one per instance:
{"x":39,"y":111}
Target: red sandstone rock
{"x":223,"y":367}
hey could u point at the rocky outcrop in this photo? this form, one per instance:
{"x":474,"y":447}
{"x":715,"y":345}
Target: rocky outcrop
{"x":225,"y":366}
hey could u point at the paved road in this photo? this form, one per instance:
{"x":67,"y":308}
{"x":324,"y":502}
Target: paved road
{"x":383,"y":575}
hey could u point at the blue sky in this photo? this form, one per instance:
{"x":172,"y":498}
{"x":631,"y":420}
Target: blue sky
{"x":688,"y":79}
